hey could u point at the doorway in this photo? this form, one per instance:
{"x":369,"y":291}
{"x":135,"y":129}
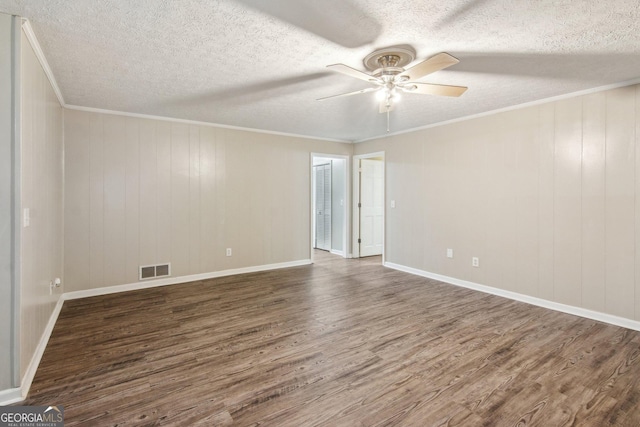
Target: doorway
{"x":329,"y":203}
{"x":369,"y":206}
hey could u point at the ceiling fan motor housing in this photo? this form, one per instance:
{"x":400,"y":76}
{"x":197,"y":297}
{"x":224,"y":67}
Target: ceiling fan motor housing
{"x":389,"y":57}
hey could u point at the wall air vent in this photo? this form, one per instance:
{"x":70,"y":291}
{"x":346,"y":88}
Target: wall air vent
{"x":153,"y":271}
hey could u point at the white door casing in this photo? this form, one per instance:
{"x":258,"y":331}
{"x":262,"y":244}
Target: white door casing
{"x":372,"y":207}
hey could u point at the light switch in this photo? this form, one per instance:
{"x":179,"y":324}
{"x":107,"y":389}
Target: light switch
{"x":393,"y":203}
{"x":26,"y":217}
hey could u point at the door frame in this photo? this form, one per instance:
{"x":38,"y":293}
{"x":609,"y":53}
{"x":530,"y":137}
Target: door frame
{"x":346,"y":207}
{"x":355,"y":246}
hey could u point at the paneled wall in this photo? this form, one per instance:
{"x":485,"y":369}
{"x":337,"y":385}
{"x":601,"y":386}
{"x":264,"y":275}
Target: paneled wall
{"x":8,"y":203}
{"x":42,"y":182}
{"x":548,"y":197}
{"x":141,"y":191}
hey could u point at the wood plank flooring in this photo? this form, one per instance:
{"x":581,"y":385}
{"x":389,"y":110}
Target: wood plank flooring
{"x":338,"y":343}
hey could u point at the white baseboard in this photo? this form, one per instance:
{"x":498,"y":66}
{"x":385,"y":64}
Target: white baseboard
{"x":10,"y":396}
{"x":569,"y":309}
{"x":180,"y":279}
{"x":337,"y":252}
{"x":15,"y":395}
{"x":28,"y":376}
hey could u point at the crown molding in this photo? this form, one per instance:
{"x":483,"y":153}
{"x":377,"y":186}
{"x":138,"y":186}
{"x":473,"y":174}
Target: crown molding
{"x":33,"y":41}
{"x":28,"y":30}
{"x":199,"y":123}
{"x":510,"y":108}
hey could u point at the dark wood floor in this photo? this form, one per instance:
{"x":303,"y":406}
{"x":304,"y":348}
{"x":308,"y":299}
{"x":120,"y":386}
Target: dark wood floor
{"x":339,"y":343}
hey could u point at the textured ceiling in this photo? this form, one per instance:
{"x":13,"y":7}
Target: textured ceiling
{"x":261,"y":64}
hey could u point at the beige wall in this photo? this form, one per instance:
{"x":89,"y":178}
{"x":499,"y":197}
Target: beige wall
{"x":42,"y":172}
{"x":142,"y":191}
{"x":548,"y":197}
{"x":8,"y":258}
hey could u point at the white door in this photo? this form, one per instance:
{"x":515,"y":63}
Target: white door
{"x":371,"y":207}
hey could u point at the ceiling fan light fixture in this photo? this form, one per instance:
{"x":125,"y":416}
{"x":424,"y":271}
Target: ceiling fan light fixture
{"x":387,"y":73}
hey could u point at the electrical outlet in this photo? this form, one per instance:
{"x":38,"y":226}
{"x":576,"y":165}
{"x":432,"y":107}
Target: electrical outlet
{"x":50,"y":287}
{"x":475,"y":261}
{"x":449,"y":253}
{"x":229,"y":252}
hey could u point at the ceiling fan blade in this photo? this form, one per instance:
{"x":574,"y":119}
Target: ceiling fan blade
{"x":369,"y":89}
{"x":433,"y":89}
{"x":384,"y":107}
{"x":435,"y":63}
{"x":345,"y":69}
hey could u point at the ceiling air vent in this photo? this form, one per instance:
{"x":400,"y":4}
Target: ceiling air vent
{"x":153,"y":271}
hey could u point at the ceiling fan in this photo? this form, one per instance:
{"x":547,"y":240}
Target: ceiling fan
{"x":390,"y":78}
